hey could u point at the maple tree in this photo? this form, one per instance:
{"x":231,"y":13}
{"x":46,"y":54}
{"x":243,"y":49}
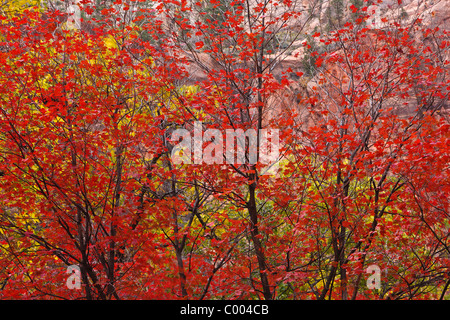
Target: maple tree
{"x":87,"y":125}
{"x":373,"y":111}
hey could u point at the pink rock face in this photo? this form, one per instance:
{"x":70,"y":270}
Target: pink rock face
{"x":433,"y":13}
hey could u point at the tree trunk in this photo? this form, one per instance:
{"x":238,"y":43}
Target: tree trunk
{"x":253,"y":212}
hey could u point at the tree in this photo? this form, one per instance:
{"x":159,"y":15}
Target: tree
{"x":357,"y":153}
{"x":74,"y":161}
{"x":92,"y":120}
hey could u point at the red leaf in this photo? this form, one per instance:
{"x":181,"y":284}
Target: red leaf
{"x":199,"y":45}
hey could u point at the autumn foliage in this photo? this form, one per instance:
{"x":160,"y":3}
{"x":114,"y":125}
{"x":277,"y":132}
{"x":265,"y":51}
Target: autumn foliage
{"x":87,"y":176}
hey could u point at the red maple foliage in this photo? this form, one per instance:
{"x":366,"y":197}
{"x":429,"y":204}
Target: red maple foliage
{"x":89,"y":181}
